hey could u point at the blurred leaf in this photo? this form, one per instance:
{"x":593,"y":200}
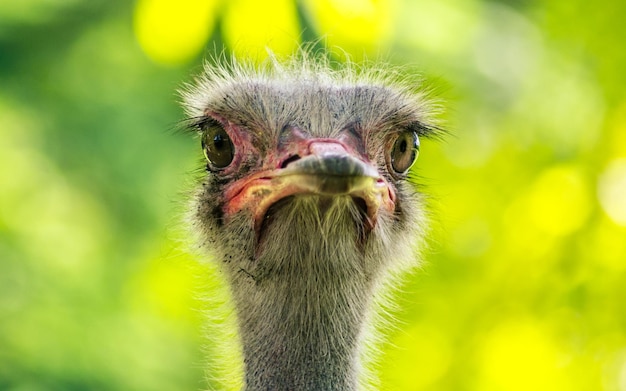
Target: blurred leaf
{"x":361,"y":27}
{"x":252,"y":27}
{"x":173,"y":33}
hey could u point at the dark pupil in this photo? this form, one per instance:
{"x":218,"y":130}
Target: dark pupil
{"x":404,"y":152}
{"x":403,"y":145}
{"x":218,"y":147}
{"x":218,"y":141}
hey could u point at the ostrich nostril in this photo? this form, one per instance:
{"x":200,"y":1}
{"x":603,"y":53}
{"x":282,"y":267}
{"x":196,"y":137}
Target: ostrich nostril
{"x":289,"y":160}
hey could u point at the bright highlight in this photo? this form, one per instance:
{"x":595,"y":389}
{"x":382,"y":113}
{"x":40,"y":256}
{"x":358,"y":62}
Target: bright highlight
{"x":172,"y":33}
{"x":355,"y":25}
{"x":520,"y":356}
{"x":251,"y":28}
{"x":612,"y":191}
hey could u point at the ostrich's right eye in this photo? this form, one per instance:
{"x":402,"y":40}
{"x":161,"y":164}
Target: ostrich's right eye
{"x":404,"y":152}
{"x":217,"y":147}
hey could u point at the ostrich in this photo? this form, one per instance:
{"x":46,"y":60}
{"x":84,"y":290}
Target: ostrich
{"x":307,"y":204}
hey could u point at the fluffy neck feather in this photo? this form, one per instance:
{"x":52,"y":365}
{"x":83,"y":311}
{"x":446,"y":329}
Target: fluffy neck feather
{"x":303,"y":304}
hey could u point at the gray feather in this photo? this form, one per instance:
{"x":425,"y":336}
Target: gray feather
{"x":307,"y":298}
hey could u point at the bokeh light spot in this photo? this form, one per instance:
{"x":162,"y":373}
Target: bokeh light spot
{"x":437,"y":26}
{"x":251,"y":27}
{"x":559,"y":202}
{"x":520,"y":355}
{"x":572,"y":122}
{"x":167,"y":285}
{"x":172,"y":33}
{"x":359,"y":26}
{"x":612,"y":191}
{"x":622,"y":377}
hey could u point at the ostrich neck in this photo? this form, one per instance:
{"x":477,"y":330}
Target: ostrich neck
{"x":301,"y":322}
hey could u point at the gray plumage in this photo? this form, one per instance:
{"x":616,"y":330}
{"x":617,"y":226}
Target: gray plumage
{"x":307,"y":270}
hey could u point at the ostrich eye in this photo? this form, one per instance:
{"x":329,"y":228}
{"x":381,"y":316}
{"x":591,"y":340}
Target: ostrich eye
{"x":404,"y":152}
{"x":218,"y":149}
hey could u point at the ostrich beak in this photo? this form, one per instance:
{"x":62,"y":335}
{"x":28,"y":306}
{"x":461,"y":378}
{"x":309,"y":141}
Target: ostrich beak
{"x":327,"y":170}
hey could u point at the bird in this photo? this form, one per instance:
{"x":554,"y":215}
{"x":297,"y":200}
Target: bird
{"x":308,"y":202}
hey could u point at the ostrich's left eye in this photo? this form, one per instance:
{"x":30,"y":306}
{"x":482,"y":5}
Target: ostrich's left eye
{"x":217,"y":147}
{"x":404,"y":152}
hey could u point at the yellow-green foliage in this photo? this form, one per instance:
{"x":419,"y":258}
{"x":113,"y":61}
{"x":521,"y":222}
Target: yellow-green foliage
{"x":525,"y":282}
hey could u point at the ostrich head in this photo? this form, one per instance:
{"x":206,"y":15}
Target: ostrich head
{"x":307,"y":205}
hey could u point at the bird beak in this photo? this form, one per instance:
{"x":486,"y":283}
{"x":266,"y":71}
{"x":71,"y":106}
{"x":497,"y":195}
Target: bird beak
{"x":327,"y":170}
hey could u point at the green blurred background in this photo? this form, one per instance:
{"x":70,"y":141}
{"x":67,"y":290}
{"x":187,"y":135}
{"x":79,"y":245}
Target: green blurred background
{"x":524,"y":287}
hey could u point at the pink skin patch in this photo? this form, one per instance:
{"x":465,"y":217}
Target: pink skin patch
{"x":304,"y":169}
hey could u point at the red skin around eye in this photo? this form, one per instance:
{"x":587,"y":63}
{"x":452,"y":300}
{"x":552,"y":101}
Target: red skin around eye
{"x":283,"y":175}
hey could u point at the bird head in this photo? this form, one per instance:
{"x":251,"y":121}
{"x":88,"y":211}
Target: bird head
{"x":305,"y":157}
